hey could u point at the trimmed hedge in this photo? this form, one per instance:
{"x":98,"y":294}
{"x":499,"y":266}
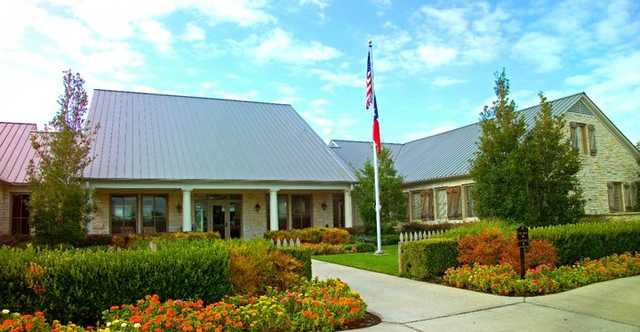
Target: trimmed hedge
{"x":78,"y":284}
{"x":329,"y":235}
{"x":593,"y":240}
{"x":429,"y":258}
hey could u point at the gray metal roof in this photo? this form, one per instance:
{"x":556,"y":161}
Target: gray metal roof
{"x":16,"y":151}
{"x":444,"y":155}
{"x":166,"y":137}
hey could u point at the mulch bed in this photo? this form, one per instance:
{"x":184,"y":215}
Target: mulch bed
{"x":368,"y":320}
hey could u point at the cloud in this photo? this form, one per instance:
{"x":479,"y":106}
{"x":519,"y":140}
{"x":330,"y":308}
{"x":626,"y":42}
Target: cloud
{"x":435,"y":55}
{"x":326,"y":123}
{"x":542,"y":50}
{"x":338,"y":79}
{"x":193,"y":33}
{"x":443,"y":81}
{"x":155,"y":32}
{"x":279,"y":45}
{"x":213,"y":89}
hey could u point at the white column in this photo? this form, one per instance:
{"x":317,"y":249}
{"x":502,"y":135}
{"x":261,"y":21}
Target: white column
{"x":186,"y":210}
{"x":273,"y":209}
{"x":348,"y":210}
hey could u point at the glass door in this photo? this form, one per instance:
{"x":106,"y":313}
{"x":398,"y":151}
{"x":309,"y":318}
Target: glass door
{"x":218,"y":219}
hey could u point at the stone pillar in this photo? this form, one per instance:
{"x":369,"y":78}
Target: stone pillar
{"x":273,"y":209}
{"x":186,"y":210}
{"x":348,"y":210}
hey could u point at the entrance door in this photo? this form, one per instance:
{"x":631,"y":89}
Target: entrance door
{"x":338,"y":210}
{"x":218,"y":218}
{"x":226,"y":216}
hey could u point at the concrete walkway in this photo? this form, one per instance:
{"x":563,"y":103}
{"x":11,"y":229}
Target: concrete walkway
{"x":409,"y":305}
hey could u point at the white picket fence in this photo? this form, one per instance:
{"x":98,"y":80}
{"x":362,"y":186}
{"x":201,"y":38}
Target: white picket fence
{"x":286,"y":243}
{"x":413,"y":236}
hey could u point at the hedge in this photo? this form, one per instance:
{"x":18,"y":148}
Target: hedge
{"x":78,"y":284}
{"x":330,"y":235}
{"x":426,"y":259}
{"x":593,"y":240}
{"x":301,"y":254}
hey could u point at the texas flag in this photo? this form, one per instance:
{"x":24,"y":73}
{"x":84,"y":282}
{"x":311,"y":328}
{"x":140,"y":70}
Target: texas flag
{"x":371,"y":99}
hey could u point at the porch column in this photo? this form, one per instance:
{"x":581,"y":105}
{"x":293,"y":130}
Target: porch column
{"x":348,"y":211}
{"x":273,"y":209}
{"x":186,"y":210}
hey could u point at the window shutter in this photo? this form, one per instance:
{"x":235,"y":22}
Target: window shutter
{"x":592,"y":140}
{"x":628,"y":205}
{"x":611,"y":194}
{"x":453,"y":203}
{"x":427,"y":204}
{"x":574,"y":135}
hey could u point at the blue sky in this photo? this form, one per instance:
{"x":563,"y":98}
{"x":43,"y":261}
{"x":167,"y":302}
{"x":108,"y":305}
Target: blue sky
{"x":433,"y":61}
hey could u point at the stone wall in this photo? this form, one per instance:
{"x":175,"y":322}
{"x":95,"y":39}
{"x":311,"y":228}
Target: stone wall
{"x":613,"y":162}
{"x":322,"y":217}
{"x":254,"y":224}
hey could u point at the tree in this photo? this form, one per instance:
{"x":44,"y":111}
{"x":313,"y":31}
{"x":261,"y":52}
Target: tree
{"x":60,"y":204}
{"x":552,"y":165}
{"x":500,"y":180}
{"x":392,"y":201}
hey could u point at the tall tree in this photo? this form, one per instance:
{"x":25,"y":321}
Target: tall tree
{"x":552,"y":165}
{"x":500,"y":180}
{"x":60,"y":203}
{"x":392,"y":201}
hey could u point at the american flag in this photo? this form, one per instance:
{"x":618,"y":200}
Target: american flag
{"x":369,"y":80}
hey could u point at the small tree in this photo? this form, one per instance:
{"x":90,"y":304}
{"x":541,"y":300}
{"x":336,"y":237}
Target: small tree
{"x":552,"y":165}
{"x":500,"y":180}
{"x":60,"y":204}
{"x":392,"y":200}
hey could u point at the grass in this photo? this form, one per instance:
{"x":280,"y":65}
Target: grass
{"x":387,"y":263}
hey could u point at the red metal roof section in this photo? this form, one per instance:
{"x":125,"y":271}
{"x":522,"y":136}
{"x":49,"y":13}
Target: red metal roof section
{"x":15,"y":151}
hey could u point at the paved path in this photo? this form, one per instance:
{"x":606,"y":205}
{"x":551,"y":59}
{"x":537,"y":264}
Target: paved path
{"x":409,"y":305}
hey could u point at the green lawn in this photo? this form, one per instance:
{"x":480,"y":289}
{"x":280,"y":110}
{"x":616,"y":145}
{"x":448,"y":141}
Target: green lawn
{"x":387,"y":263}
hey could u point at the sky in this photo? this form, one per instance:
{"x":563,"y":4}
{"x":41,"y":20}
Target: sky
{"x":434,"y":62}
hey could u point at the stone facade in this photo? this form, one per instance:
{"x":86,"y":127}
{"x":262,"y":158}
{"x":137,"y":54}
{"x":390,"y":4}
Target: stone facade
{"x":416,"y":189}
{"x":613,"y":162}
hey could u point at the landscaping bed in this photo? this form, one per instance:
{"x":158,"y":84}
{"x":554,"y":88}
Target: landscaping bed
{"x":324,"y":240}
{"x":310,"y":306}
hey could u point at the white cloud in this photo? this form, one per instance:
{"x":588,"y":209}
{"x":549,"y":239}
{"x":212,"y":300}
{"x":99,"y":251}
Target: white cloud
{"x":426,"y":130}
{"x":326,"y":123}
{"x":279,"y":45}
{"x":155,"y":32}
{"x":443,"y":81}
{"x":542,"y":50}
{"x":193,"y":33}
{"x":213,"y":89}
{"x":436,"y":55}
{"x":338,"y":79}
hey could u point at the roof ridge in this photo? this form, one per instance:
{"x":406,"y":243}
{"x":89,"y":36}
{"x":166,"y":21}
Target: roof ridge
{"x":20,"y":123}
{"x":554,"y":100}
{"x":194,"y":97}
{"x":361,"y":141}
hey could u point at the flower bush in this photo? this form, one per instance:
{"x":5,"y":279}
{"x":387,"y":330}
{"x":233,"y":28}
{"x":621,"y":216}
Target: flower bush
{"x":490,"y":247}
{"x":325,"y":248}
{"x":503,"y":279}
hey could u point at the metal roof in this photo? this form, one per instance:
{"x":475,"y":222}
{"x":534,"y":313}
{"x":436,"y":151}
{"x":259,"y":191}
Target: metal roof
{"x":15,"y":151}
{"x":168,"y":137}
{"x":439,"y":156}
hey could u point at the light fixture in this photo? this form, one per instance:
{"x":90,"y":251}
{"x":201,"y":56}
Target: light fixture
{"x":323,"y":206}
{"x":257,"y":207}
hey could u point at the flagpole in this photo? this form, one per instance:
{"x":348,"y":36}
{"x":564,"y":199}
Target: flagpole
{"x":375,"y":169}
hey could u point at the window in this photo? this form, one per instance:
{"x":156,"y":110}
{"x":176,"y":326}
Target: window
{"x":427,"y":205}
{"x":614,"y":190}
{"x":300,"y":211}
{"x":441,"y":204}
{"x":124,"y":214}
{"x":469,"y":204}
{"x":20,"y":215}
{"x":416,"y":205}
{"x":454,"y":208}
{"x":583,"y":138}
{"x":592,"y":140}
{"x":630,"y":196}
{"x":154,"y":214}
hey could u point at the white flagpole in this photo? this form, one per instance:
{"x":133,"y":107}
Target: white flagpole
{"x":375,"y":167}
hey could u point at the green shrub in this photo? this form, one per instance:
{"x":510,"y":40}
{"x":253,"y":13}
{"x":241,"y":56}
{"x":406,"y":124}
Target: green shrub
{"x":429,"y":258}
{"x":475,"y":228}
{"x":593,"y":240}
{"x":78,"y":284}
{"x":360,"y":247}
{"x":386,"y":239}
{"x":415,"y":226}
{"x":329,"y":235}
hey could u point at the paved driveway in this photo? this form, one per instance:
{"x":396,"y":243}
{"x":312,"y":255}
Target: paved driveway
{"x":409,"y":305}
